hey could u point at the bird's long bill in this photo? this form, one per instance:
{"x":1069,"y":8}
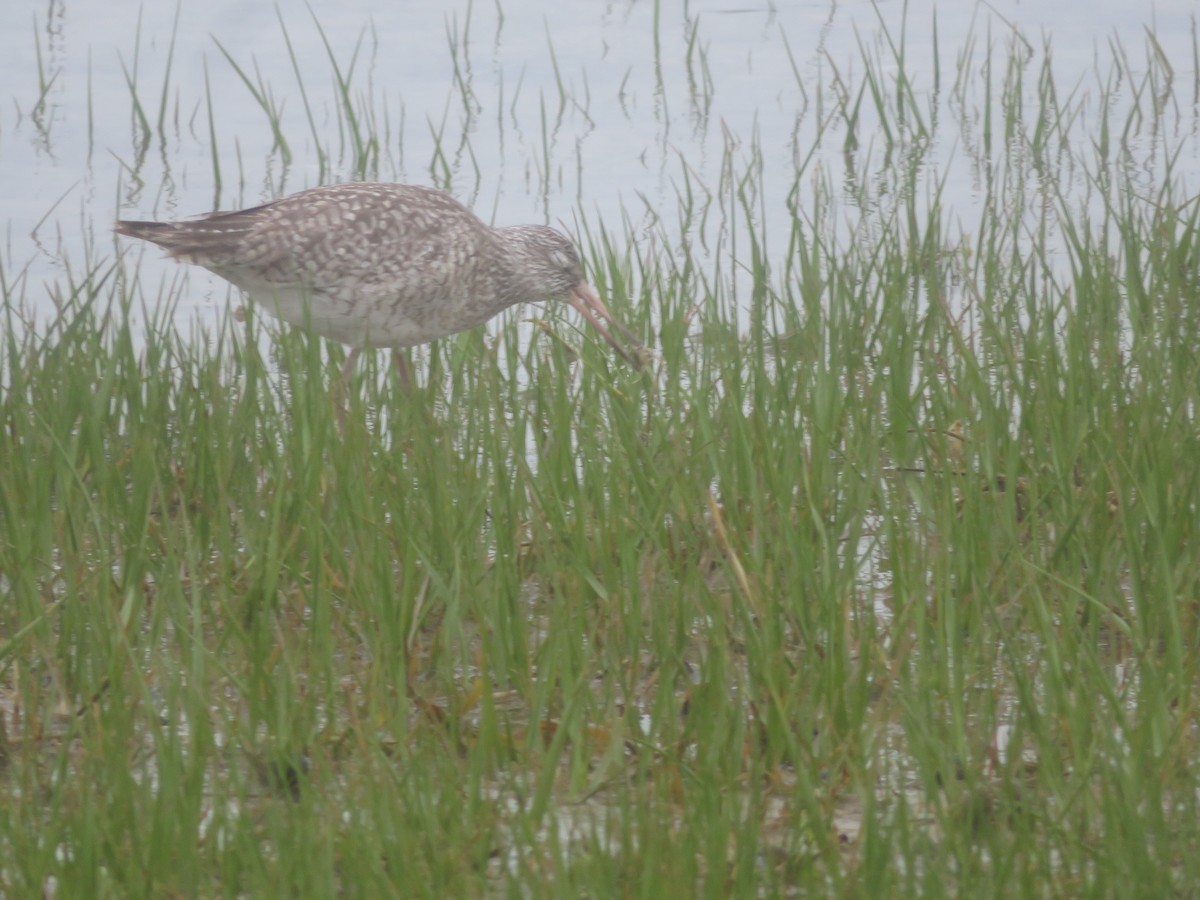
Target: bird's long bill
{"x":589,"y":305}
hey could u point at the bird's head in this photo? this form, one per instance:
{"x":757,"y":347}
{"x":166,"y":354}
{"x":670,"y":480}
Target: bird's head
{"x":550,"y":269}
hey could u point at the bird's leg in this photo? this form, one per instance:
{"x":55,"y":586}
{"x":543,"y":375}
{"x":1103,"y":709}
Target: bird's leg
{"x":348,"y":365}
{"x":342,"y":393}
{"x":400,"y":362}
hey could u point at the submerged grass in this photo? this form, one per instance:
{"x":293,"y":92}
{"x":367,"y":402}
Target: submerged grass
{"x":884,"y":581}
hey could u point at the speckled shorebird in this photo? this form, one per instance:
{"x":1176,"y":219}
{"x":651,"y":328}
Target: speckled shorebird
{"x":382,"y":265}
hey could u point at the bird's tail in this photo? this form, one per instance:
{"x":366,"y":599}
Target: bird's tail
{"x":156,"y":232}
{"x":205,"y":242}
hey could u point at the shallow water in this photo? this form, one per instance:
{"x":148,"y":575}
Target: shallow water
{"x":528,"y":112}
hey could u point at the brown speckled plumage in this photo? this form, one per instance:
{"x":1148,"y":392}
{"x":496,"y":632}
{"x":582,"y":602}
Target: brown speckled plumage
{"x":379,"y":265}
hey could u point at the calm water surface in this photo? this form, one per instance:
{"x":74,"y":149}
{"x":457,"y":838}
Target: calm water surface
{"x":528,"y":111}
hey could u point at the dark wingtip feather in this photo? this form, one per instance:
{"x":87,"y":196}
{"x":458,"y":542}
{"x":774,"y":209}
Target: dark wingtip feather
{"x":146,"y":231}
{"x":201,"y":241}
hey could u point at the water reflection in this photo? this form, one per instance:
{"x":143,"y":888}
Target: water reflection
{"x":681,"y":127}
